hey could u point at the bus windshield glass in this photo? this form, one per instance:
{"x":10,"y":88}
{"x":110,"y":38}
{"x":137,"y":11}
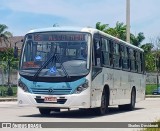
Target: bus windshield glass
{"x":55,"y":54}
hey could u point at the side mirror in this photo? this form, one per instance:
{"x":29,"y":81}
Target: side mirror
{"x":15,"y":52}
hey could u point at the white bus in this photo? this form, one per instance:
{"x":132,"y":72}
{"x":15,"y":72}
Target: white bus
{"x":64,"y":67}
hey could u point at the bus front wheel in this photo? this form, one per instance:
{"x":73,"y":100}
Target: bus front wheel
{"x":103,"y":109}
{"x":44,"y":111}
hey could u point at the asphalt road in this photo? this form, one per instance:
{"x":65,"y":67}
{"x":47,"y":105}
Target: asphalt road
{"x":145,"y":111}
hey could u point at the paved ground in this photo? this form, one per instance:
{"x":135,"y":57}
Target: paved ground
{"x":146,"y":111}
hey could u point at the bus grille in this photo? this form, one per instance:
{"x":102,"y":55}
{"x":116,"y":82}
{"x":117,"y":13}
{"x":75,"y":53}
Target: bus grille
{"x":59,"y":101}
{"x":46,"y":91}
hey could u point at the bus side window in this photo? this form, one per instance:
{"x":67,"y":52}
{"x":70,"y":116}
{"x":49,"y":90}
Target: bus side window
{"x":132,"y":59}
{"x":125,"y":58}
{"x":111,"y":49}
{"x":29,"y":49}
{"x":142,"y":62}
{"x":138,"y":60}
{"x":116,"y":55}
{"x":105,"y":52}
{"x":120,"y":55}
{"x":97,"y":49}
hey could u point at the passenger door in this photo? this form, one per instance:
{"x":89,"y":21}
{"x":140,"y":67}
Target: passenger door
{"x":96,"y":74}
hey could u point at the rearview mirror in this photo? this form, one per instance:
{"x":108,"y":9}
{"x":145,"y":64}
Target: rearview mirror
{"x":15,"y":53}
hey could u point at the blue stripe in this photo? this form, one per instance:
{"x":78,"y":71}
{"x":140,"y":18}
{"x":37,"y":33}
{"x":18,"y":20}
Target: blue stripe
{"x":59,"y":88}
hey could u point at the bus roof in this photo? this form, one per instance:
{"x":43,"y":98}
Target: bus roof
{"x":81,"y":29}
{"x":59,"y":28}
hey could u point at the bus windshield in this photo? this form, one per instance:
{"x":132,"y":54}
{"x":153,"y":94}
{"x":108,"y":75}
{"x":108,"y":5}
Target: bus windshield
{"x":55,"y":54}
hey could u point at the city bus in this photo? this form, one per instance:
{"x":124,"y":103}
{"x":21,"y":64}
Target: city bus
{"x":84,"y":68}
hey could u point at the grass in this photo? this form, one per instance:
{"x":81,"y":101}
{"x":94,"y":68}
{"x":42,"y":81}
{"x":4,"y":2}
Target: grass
{"x":4,"y":89}
{"x":150,"y":88}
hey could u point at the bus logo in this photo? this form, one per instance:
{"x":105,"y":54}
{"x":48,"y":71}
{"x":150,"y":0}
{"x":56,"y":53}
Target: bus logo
{"x":50,"y":90}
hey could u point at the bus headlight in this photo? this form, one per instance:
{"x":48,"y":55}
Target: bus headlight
{"x":82,"y":87}
{"x":23,"y":86}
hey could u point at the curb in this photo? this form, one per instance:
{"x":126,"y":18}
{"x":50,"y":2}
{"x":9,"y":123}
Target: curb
{"x":7,"y":99}
{"x":152,"y":96}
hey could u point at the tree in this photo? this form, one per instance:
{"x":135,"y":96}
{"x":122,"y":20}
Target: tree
{"x":118,"y":31}
{"x":137,"y":40}
{"x":7,"y":53}
{"x":149,"y":56}
{"x":8,"y":62}
{"x":101,"y":27}
{"x":4,"y":35}
{"x":147,"y":47}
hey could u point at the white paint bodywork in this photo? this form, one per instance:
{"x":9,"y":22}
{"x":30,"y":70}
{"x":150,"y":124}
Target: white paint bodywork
{"x":120,"y":83}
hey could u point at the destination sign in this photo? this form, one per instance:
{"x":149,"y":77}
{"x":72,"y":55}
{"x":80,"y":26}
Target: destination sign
{"x":59,"y":37}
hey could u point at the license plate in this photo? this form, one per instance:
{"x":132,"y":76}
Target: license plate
{"x":50,"y":99}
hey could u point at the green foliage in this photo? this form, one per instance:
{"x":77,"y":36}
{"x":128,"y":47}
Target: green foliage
{"x":137,"y":40}
{"x":5,"y":91}
{"x":6,"y":56}
{"x":150,"y":62}
{"x":4,"y":35}
{"x":119,"y":31}
{"x":150,"y":88}
{"x":149,"y":57}
{"x":8,"y":62}
{"x":10,"y":91}
{"x":147,"y":47}
{"x":102,"y":27}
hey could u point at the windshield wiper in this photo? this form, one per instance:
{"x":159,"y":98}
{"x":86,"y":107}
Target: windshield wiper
{"x":47,"y":62}
{"x":44,"y":65}
{"x":64,"y":70}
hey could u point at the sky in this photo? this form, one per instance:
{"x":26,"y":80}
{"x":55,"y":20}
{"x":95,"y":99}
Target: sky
{"x":23,"y":15}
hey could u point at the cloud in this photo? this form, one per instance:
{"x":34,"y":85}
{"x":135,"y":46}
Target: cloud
{"x":144,"y":13}
{"x":81,"y":12}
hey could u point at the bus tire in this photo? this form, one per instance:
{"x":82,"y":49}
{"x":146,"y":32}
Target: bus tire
{"x":130,"y":106}
{"x":103,"y":109}
{"x":44,"y":111}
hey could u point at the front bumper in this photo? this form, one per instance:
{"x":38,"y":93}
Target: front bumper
{"x":81,"y":100}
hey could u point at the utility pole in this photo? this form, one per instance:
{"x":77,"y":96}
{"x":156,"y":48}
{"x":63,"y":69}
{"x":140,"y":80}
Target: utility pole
{"x":128,"y":20}
{"x":158,"y":75}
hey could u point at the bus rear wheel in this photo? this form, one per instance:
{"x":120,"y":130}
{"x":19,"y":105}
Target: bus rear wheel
{"x":103,"y":109}
{"x":44,"y":111}
{"x":130,"y":106}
